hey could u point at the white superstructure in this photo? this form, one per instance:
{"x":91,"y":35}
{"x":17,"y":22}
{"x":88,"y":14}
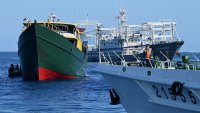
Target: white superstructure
{"x":136,"y":35}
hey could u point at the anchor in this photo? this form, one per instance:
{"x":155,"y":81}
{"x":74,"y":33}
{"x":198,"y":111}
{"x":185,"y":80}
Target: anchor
{"x":115,"y":99}
{"x":177,"y":88}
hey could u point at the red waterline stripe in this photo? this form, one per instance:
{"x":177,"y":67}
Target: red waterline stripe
{"x":46,"y":74}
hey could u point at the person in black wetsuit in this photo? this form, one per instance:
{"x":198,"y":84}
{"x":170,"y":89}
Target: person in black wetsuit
{"x":17,"y":67}
{"x":11,"y":68}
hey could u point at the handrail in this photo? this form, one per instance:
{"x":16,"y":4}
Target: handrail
{"x":198,"y":66}
{"x":53,"y":27}
{"x":141,"y":61}
{"x":164,"y":64}
{"x":123,"y":57}
{"x":150,"y":63}
{"x":193,"y":66}
{"x":117,"y":55}
{"x":47,"y":25}
{"x":138,"y":60}
{"x":110,"y":58}
{"x":122,"y":60}
{"x":105,"y":59}
{"x":164,"y":55}
{"x":26,"y":26}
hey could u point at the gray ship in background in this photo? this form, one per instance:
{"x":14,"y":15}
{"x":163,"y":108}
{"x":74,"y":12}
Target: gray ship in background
{"x":131,"y":43}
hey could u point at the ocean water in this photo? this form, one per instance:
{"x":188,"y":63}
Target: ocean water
{"x":86,"y":95}
{"x":193,"y":56}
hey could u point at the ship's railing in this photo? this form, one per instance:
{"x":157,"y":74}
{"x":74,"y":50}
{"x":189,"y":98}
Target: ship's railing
{"x":151,"y":63}
{"x":105,"y":59}
{"x":186,"y":66}
{"x":28,"y":24}
{"x":198,"y":61}
{"x":110,"y":58}
{"x":47,"y":25}
{"x":53,"y":28}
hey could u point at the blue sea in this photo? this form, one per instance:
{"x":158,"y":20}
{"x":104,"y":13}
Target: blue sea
{"x":85,"y":95}
{"x":193,"y":56}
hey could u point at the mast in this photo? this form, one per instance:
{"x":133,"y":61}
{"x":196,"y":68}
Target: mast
{"x":122,"y":27}
{"x":98,"y":38}
{"x":122,"y":21}
{"x":122,"y":18}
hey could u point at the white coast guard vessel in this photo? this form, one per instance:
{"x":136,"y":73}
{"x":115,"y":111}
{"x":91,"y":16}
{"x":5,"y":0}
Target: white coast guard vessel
{"x":159,"y":87}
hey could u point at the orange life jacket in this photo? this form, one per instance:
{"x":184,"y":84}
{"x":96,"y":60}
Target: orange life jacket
{"x":148,"y":53}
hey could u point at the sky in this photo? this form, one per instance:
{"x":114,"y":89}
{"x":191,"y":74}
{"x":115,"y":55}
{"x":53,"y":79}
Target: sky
{"x":185,"y":12}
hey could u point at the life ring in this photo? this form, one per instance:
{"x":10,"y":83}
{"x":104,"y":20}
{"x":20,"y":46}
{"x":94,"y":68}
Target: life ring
{"x":177,"y":88}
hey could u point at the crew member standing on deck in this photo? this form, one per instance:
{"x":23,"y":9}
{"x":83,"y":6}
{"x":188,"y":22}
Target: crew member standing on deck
{"x":148,"y":56}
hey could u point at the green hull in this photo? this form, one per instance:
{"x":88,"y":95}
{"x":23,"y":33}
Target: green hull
{"x":44,"y":54}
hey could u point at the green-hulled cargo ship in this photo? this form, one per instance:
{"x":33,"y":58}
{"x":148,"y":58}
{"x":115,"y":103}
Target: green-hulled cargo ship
{"x":52,"y":50}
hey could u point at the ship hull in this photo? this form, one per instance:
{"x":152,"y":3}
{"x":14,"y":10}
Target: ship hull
{"x":140,"y":92}
{"x":167,"y":49}
{"x":163,"y":51}
{"x":47,"y":55}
